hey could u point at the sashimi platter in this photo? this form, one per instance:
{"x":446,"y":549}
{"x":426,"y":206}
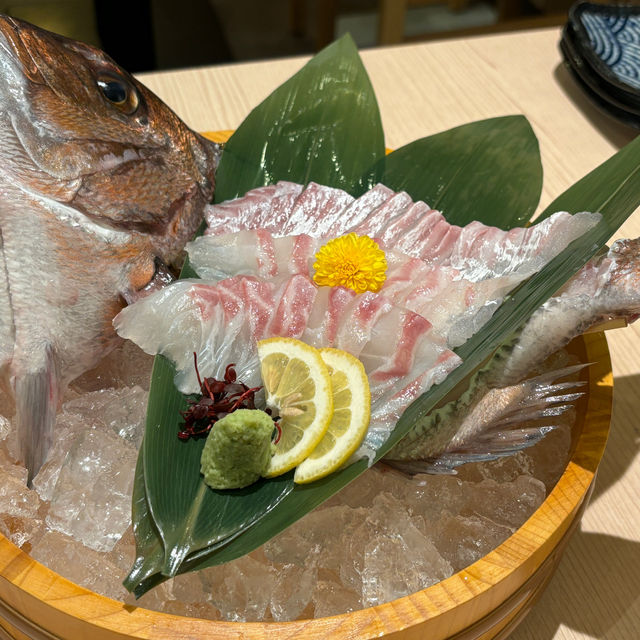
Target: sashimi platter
{"x":284,"y":372}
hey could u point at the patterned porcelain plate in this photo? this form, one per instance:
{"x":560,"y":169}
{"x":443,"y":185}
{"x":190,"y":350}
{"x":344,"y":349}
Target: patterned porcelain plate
{"x":601,"y":44}
{"x":616,"y":41}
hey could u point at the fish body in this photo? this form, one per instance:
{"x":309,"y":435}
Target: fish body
{"x":606,"y":288}
{"x":100,"y":183}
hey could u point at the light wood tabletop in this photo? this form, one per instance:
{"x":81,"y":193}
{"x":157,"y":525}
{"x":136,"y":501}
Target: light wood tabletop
{"x":427,"y":88}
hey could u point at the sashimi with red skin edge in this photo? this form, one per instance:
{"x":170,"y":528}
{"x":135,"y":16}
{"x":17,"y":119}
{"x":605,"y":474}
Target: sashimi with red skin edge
{"x":222,"y":322}
{"x":478,"y":251}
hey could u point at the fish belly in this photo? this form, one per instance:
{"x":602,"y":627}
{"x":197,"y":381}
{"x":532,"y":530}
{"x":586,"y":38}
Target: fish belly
{"x":59,"y":290}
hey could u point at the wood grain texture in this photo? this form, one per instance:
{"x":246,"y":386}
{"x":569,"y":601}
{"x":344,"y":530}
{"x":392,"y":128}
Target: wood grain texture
{"x":595,"y":593}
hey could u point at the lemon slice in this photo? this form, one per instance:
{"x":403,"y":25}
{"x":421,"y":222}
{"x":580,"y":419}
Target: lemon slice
{"x":298,"y":389}
{"x":351,"y":413}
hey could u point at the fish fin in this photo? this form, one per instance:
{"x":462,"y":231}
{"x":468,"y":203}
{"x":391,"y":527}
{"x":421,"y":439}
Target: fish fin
{"x":544,"y":401}
{"x":36,"y":396}
{"x":7,"y":329}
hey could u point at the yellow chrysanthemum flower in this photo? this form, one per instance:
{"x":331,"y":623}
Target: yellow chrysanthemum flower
{"x":351,"y":261}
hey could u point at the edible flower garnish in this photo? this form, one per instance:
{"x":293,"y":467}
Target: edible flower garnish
{"x":352,"y":261}
{"x":219,"y":399}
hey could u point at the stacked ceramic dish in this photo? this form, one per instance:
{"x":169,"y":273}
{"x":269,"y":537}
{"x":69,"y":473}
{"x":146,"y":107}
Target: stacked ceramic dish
{"x":601,"y":46}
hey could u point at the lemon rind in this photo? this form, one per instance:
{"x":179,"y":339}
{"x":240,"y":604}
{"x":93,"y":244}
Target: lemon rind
{"x":311,"y":469}
{"x":323,"y":400}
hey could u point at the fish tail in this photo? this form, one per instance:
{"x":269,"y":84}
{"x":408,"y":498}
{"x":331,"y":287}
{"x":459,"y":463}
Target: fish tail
{"x":541,"y":401}
{"x":36,"y":396}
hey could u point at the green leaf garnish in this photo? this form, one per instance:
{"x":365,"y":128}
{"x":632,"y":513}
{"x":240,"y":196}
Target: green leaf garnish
{"x":488,"y":171}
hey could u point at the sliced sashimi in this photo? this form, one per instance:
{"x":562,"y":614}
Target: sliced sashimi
{"x":353,"y":215}
{"x":253,"y":210}
{"x":301,"y":218}
{"x":255,"y":252}
{"x":479,"y":252}
{"x":222,"y":323}
{"x":483,"y":252}
{"x":457,"y":307}
{"x":324,"y":319}
{"x":395,"y":206}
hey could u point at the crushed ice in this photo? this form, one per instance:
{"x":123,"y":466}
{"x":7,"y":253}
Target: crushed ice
{"x":383,"y":537}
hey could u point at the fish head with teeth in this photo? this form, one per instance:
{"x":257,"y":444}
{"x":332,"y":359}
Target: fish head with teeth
{"x":101,"y":184}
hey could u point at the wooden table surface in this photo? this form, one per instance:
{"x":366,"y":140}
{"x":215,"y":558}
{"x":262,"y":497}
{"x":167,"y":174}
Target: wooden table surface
{"x":426,"y":88}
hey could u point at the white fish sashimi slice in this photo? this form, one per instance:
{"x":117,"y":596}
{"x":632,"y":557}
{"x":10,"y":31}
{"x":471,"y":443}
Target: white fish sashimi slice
{"x":255,"y":252}
{"x":403,"y":358}
{"x":483,"y":252}
{"x":355,"y":214}
{"x":223,"y":321}
{"x":293,"y":306}
{"x":324,"y":320}
{"x":455,"y":306}
{"x":301,"y":218}
{"x":419,"y":216}
{"x":476,"y":250}
{"x":191,"y":316}
{"x":380,"y":218}
{"x":171,"y":322}
{"x":255,"y":209}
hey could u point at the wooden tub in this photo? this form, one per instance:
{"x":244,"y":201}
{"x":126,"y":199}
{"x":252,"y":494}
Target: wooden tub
{"x":486,"y":600}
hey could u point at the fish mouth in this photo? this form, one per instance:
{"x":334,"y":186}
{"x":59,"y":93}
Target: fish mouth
{"x":14,"y":51}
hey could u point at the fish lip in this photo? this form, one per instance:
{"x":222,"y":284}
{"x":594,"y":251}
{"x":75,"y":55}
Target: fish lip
{"x":12,"y":46}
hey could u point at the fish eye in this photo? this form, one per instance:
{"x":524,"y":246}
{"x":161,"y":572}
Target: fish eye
{"x":119,"y":93}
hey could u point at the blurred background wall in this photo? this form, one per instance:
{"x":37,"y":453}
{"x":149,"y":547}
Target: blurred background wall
{"x":144,"y":35}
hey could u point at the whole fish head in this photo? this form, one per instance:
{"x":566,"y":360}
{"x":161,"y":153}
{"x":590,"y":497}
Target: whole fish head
{"x":89,"y":135}
{"x":100,"y":183}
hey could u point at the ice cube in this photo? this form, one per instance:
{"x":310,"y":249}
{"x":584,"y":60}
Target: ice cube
{"x":464,"y":539}
{"x":127,"y":365}
{"x":292,"y":591}
{"x":20,"y":519}
{"x":507,"y":503}
{"x":122,"y":411}
{"x":399,"y":558}
{"x":241,"y":589}
{"x":91,"y":500}
{"x":331,"y":597}
{"x":87,"y":568}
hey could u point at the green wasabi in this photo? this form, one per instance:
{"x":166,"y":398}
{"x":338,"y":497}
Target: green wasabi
{"x":237,"y":450}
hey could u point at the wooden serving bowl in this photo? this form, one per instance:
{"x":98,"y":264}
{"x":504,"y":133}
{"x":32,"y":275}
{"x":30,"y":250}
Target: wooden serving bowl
{"x":486,"y":600}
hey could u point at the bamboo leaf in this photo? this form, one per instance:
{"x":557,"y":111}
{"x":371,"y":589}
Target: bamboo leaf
{"x":618,"y":198}
{"x":608,"y":189}
{"x":190,"y":528}
{"x":322,"y":125}
{"x":488,"y":171}
{"x":148,"y":541}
